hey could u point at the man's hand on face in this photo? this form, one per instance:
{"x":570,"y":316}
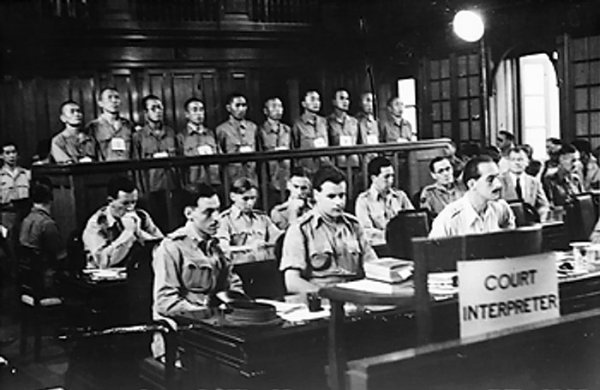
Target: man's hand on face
{"x":295,"y":204}
{"x":131,"y":222}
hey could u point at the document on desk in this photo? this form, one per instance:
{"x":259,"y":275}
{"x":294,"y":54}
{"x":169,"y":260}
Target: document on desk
{"x":377,"y":287}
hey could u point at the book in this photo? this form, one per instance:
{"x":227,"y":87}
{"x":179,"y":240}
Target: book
{"x":388,"y":269}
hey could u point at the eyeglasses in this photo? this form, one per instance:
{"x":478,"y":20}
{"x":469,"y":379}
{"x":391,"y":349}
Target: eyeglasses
{"x":447,"y":169}
{"x":248,"y":198}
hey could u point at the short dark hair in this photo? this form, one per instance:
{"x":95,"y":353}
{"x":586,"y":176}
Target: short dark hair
{"x":566,"y":149}
{"x":120,"y":183}
{"x":195,"y":191}
{"x":471,"y":170}
{"x":375,"y":165}
{"x":434,"y":161}
{"x":146,"y":99}
{"x":298,"y":172}
{"x":519,"y":149}
{"x":234,"y":95}
{"x":469,"y":149}
{"x":242,"y":185}
{"x":309,"y":90}
{"x":66,"y":103}
{"x":492,"y":151}
{"x":41,"y":192}
{"x":554,"y":141}
{"x":340,"y":89}
{"x":390,"y":101}
{"x":365,"y":93}
{"x":327,"y":173}
{"x":107,"y":88}
{"x":509,"y":136}
{"x":191,"y":100}
{"x":268,"y":99}
{"x":6,"y":143}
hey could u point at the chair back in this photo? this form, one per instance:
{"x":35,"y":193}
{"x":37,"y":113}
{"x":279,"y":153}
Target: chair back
{"x":31,"y":272}
{"x":442,"y":255}
{"x":581,"y":217}
{"x":404,"y":226}
{"x":518,"y":210}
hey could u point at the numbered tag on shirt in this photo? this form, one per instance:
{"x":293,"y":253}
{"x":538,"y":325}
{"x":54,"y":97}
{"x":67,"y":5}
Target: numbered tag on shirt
{"x":281,"y":148}
{"x":246,"y":149}
{"x":320,"y":142}
{"x":401,"y":140}
{"x":160,"y":155}
{"x":85,"y":160}
{"x":204,"y":150}
{"x":346,"y":140}
{"x":118,"y":144}
{"x":372,"y":139}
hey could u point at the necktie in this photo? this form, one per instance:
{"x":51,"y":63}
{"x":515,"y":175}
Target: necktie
{"x":518,"y":189}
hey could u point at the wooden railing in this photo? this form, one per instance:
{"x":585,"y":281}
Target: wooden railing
{"x":81,"y":188}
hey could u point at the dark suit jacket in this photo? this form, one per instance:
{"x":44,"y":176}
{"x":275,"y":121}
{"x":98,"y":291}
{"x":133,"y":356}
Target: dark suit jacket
{"x":531,"y":189}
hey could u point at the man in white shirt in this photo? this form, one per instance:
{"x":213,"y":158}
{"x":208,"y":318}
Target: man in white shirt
{"x":517,"y":185}
{"x":480,"y":210}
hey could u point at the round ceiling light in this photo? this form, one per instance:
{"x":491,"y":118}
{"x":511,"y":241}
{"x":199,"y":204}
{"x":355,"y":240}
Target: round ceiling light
{"x":468,"y":25}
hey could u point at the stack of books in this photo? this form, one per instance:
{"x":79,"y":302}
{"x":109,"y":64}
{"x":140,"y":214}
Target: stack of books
{"x":389,"y":270}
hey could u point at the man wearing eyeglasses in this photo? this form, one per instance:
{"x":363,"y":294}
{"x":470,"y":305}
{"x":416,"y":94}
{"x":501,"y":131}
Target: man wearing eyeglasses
{"x":238,"y":135}
{"x":298,"y":203}
{"x":444,"y":191}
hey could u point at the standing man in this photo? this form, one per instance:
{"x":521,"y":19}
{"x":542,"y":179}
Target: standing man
{"x":72,"y":145}
{"x":14,"y":189}
{"x":342,"y":128}
{"x":505,"y":142}
{"x":197,"y":140}
{"x":367,"y":124}
{"x":111,"y":133}
{"x":327,"y":245}
{"x":480,"y":210}
{"x":518,"y":185}
{"x":275,"y":135}
{"x":395,"y":128}
{"x":563,"y":184}
{"x":444,"y":191}
{"x":113,"y":230}
{"x":310,"y":131}
{"x":238,"y":135}
{"x":380,"y":203}
{"x":154,"y":141}
{"x":298,"y":202}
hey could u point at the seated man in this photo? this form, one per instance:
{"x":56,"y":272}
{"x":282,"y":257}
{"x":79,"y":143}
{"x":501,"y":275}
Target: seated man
{"x":40,"y":232}
{"x":444,"y":191}
{"x":517,"y":185}
{"x":112,"y":231}
{"x":189,"y":266}
{"x":327,"y":245}
{"x":245,"y":233}
{"x":298,"y":203}
{"x":563,"y":184}
{"x":380,"y":203}
{"x":480,"y":210}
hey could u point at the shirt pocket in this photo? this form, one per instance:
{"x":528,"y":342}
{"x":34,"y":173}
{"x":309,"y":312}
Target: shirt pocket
{"x":198,"y":275}
{"x":320,"y":256}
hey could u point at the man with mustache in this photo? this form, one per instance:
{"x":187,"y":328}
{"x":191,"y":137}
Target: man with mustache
{"x":327,"y":245}
{"x":480,"y":210}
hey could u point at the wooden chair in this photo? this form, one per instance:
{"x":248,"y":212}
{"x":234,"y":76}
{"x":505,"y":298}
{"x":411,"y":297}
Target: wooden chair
{"x":581,"y":217}
{"x":439,"y":255}
{"x":404,"y":226}
{"x":35,"y":301}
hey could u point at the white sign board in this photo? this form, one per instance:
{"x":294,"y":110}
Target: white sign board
{"x":501,"y":294}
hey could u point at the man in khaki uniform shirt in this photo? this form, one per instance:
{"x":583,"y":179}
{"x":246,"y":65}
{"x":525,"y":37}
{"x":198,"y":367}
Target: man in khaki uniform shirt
{"x":380,"y":203}
{"x":327,"y":245}
{"x":111,"y":133}
{"x":395,"y":128}
{"x":197,"y":140}
{"x":480,"y":210}
{"x":72,"y":145}
{"x":298,"y":203}
{"x":342,"y":128}
{"x":444,"y":191}
{"x":14,"y":187}
{"x":238,"y":135}
{"x":310,"y":131}
{"x":275,"y":135}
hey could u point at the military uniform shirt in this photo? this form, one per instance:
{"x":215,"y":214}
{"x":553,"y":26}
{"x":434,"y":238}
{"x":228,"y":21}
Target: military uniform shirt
{"x":103,"y":239}
{"x":435,"y":197}
{"x":39,"y":231}
{"x":374,"y":210}
{"x":188,"y":271}
{"x":561,"y":187}
{"x":237,"y":228}
{"x":396,"y":130}
{"x":149,"y":144}
{"x":199,"y":141}
{"x":276,"y":136}
{"x":111,"y":142}
{"x":326,"y":251}
{"x":14,"y":184}
{"x":310,"y":132}
{"x":280,"y":214}
{"x":66,"y":148}
{"x":235,"y":136}
{"x":459,"y":218}
{"x":343,"y":132}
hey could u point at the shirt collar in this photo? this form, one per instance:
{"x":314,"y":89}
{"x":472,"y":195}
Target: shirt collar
{"x":339,"y":119}
{"x":237,"y":213}
{"x":273,"y":126}
{"x":309,"y":118}
{"x":397,"y":121}
{"x":40,"y":210}
{"x":192,"y":234}
{"x":376,"y":195}
{"x":319,"y":219}
{"x":444,"y":188}
{"x":193,"y":128}
{"x":14,"y":173}
{"x":470,"y":214}
{"x":150,"y":130}
{"x":110,"y":219}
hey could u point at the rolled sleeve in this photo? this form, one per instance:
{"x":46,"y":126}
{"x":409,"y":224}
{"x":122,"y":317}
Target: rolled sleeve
{"x":104,"y":253}
{"x":362,"y":213}
{"x":368,"y":251}
{"x":273,"y":232}
{"x":294,"y":250}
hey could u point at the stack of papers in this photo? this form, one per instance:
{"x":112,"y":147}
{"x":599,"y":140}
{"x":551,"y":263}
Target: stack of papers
{"x":442,"y":283}
{"x":295,"y":312}
{"x":388,"y":269}
{"x":106,"y":274}
{"x":377,"y":287}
